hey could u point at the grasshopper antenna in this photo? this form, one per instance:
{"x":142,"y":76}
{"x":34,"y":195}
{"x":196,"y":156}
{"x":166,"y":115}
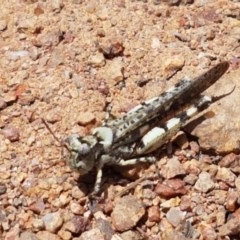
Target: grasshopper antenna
{"x":55,"y":137}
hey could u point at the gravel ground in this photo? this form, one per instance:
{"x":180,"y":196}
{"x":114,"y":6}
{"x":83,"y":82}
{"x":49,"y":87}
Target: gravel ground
{"x":66,"y":61}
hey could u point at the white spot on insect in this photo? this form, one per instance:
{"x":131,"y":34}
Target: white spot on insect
{"x":171,"y":90}
{"x":172,"y":123}
{"x":152,"y":135}
{"x":151,"y":100}
{"x":135,"y":109}
{"x":106,"y":134}
{"x":186,"y":79}
{"x":191,"y":111}
{"x":207,"y":98}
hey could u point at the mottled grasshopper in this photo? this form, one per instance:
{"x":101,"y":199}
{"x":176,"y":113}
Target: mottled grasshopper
{"x":133,"y":137}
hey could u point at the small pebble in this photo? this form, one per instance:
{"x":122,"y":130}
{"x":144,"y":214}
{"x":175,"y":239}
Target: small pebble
{"x":173,"y":202}
{"x":3,"y":104}
{"x":34,"y":53}
{"x":97,"y":60}
{"x":173,"y":63}
{"x":132,"y":235}
{"x":92,"y":234}
{"x":43,"y":235}
{"x":76,"y":208}
{"x":28,"y":236}
{"x":61,"y":201}
{"x":172,"y":169}
{"x":5,"y":175}
{"x":3,"y":25}
{"x":126,"y":213}
{"x":3,"y":188}
{"x":204,"y":182}
{"x":226,"y":175}
{"x":154,"y":214}
{"x":231,"y":227}
{"x":156,"y":43}
{"x":209,"y":233}
{"x":76,"y":225}
{"x":171,"y":188}
{"x":231,"y":201}
{"x":11,"y":133}
{"x":227,"y":160}
{"x":14,"y":55}
{"x":85,"y":118}
{"x":175,"y":216}
{"x":13,"y":233}
{"x":38,"y":224}
{"x":57,"y":5}
{"x":38,"y":206}
{"x":52,"y":221}
{"x":65,"y":235}
{"x":113,"y":71}
{"x":77,"y":193}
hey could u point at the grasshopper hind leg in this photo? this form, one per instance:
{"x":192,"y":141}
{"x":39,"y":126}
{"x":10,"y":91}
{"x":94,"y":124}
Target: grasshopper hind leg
{"x":134,"y":161}
{"x":158,"y":136}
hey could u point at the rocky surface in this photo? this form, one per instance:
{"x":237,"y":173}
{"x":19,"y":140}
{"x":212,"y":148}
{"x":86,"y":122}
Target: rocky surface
{"x":66,"y":61}
{"x":220,"y":132}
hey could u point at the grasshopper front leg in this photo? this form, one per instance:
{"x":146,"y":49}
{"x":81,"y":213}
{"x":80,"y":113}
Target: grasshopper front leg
{"x":106,"y":159}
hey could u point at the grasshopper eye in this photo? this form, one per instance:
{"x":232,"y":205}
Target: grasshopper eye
{"x":84,"y":149}
{"x":73,"y":142}
{"x":77,"y":145}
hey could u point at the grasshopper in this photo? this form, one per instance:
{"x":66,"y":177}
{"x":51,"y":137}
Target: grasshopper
{"x":133,"y":137}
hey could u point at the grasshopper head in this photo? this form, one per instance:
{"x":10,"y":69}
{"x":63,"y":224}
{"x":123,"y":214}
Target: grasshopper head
{"x":81,"y":152}
{"x":84,"y":152}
